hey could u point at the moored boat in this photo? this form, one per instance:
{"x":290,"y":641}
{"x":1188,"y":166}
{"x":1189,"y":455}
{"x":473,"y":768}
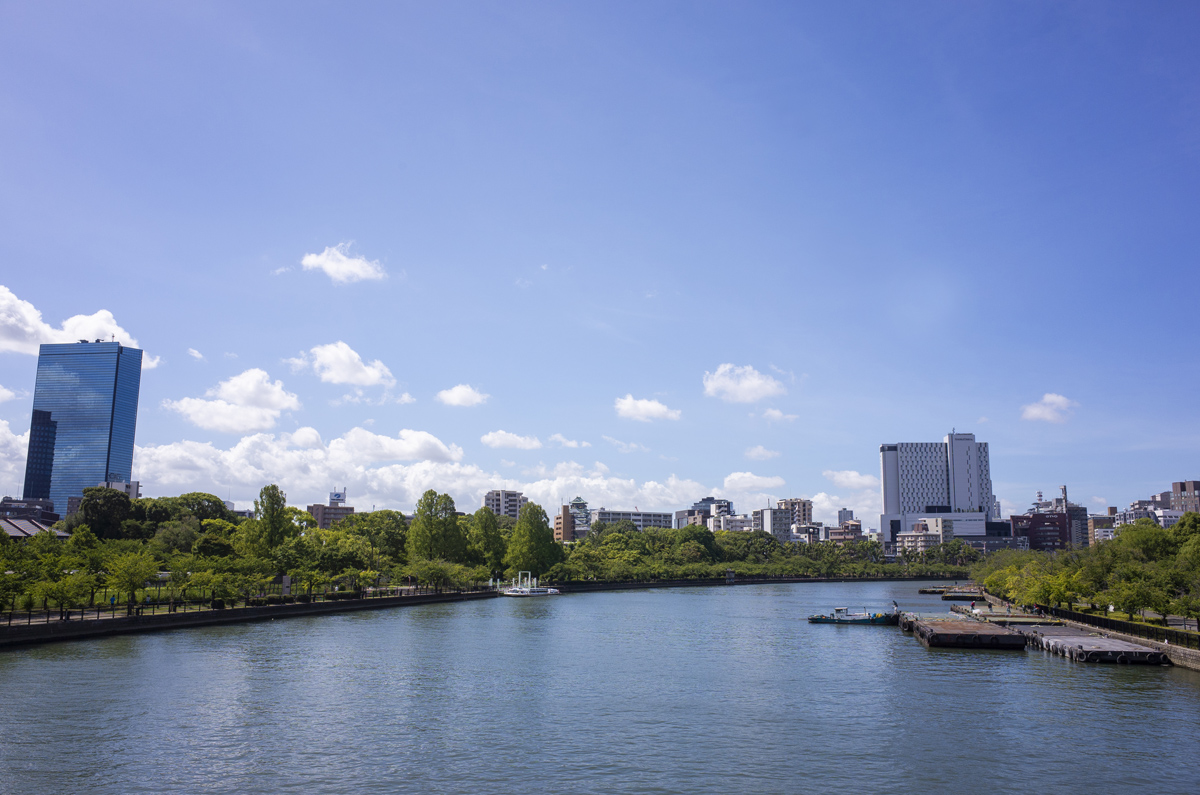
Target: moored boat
{"x":842,"y":615}
{"x":525,"y":585}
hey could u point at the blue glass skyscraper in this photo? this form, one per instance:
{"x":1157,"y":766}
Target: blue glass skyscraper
{"x":84,"y":416}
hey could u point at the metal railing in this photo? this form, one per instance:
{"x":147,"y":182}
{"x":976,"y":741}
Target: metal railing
{"x":1175,"y":637}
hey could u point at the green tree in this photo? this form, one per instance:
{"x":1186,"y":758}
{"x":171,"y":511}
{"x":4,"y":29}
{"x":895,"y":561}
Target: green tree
{"x":104,"y":510}
{"x":131,"y":571}
{"x":435,"y":533}
{"x":270,"y":509}
{"x":487,"y":544}
{"x":532,"y":546}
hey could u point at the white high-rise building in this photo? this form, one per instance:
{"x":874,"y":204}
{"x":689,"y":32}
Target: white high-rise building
{"x":505,"y":503}
{"x":927,"y":479}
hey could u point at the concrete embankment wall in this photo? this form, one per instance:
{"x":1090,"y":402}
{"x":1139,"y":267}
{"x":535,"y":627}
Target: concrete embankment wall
{"x":588,"y":586}
{"x":20,"y":635}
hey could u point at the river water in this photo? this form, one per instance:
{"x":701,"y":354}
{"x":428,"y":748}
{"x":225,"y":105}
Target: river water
{"x":666,"y":691}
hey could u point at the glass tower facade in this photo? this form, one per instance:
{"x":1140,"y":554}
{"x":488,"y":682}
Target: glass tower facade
{"x":84,"y":417}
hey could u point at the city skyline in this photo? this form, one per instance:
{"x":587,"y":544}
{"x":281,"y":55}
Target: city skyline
{"x":607,"y":252}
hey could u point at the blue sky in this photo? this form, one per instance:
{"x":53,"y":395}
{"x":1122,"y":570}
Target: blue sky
{"x":863,"y":222}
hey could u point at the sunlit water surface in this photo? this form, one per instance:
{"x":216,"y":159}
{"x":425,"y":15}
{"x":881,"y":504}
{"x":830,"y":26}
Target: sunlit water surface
{"x":668,"y":691}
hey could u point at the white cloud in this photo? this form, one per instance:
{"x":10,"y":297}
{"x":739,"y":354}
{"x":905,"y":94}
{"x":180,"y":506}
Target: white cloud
{"x":775,"y":415}
{"x":342,"y":268}
{"x":748,"y":481}
{"x":849,"y":479}
{"x":6,"y":394}
{"x":741,"y":384}
{"x":1051,"y":408}
{"x":760,"y":453}
{"x":195,"y":354}
{"x":626,"y":447}
{"x":462,"y":395}
{"x":12,"y":454}
{"x":498,"y":439}
{"x":22,"y":329}
{"x":382,"y":471}
{"x":632,"y":408}
{"x":246,"y":402}
{"x":358,"y":396}
{"x":338,"y":363}
{"x":565,"y":442}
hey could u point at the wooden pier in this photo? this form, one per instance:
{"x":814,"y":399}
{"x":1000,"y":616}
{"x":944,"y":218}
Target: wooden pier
{"x":966,"y":635}
{"x":1094,"y":647}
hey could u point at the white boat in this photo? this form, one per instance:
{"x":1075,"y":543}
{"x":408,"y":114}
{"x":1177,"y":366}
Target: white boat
{"x":525,"y":585}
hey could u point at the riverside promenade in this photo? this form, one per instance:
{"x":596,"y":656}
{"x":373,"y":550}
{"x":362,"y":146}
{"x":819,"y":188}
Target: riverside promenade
{"x":17,"y":634}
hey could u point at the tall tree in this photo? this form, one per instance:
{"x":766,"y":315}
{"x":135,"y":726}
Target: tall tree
{"x":104,"y":510}
{"x":271,"y":511}
{"x":532,"y":546}
{"x":486,"y":542}
{"x":434,"y":533}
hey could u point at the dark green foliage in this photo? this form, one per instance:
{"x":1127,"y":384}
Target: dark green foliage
{"x":435,"y":533}
{"x":532,"y":546}
{"x":1144,"y":568}
{"x":104,"y":510}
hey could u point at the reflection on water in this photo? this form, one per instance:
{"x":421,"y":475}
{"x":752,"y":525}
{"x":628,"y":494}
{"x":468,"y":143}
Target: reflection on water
{"x":689,"y":690}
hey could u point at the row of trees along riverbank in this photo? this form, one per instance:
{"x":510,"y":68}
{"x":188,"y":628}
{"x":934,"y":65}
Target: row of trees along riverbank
{"x":1145,"y":567}
{"x":191,"y":548}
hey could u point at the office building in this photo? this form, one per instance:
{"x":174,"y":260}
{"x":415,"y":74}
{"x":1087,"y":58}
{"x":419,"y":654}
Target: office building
{"x":641,"y":519}
{"x":926,"y":534}
{"x":1185,"y":496}
{"x":845,"y":515}
{"x":731,"y":524}
{"x":84,"y":418}
{"x":1048,"y":531}
{"x":923,"y":479}
{"x":776,"y":521}
{"x":802,"y":510}
{"x":329,"y":515}
{"x":233,"y":509}
{"x":564,"y":525}
{"x":505,"y":503}
{"x":132,"y":489}
{"x":849,"y":530}
{"x":702,"y":511}
{"x":1077,"y":515}
{"x":37,"y":510}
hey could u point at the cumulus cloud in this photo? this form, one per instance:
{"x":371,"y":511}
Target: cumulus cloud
{"x":849,"y":479}
{"x":626,"y":447}
{"x":760,"y":453}
{"x":1051,"y":408}
{"x":384,"y":471}
{"x":6,"y":394}
{"x":195,"y":354}
{"x":338,"y":363}
{"x":342,"y":268}
{"x":462,"y":395}
{"x":498,"y":439}
{"x":565,"y":442}
{"x":775,"y":415}
{"x":246,"y":402}
{"x":22,"y":329}
{"x":642,"y":410}
{"x":602,"y":490}
{"x":735,"y":384}
{"x":748,"y":481}
{"x":13,"y":448}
